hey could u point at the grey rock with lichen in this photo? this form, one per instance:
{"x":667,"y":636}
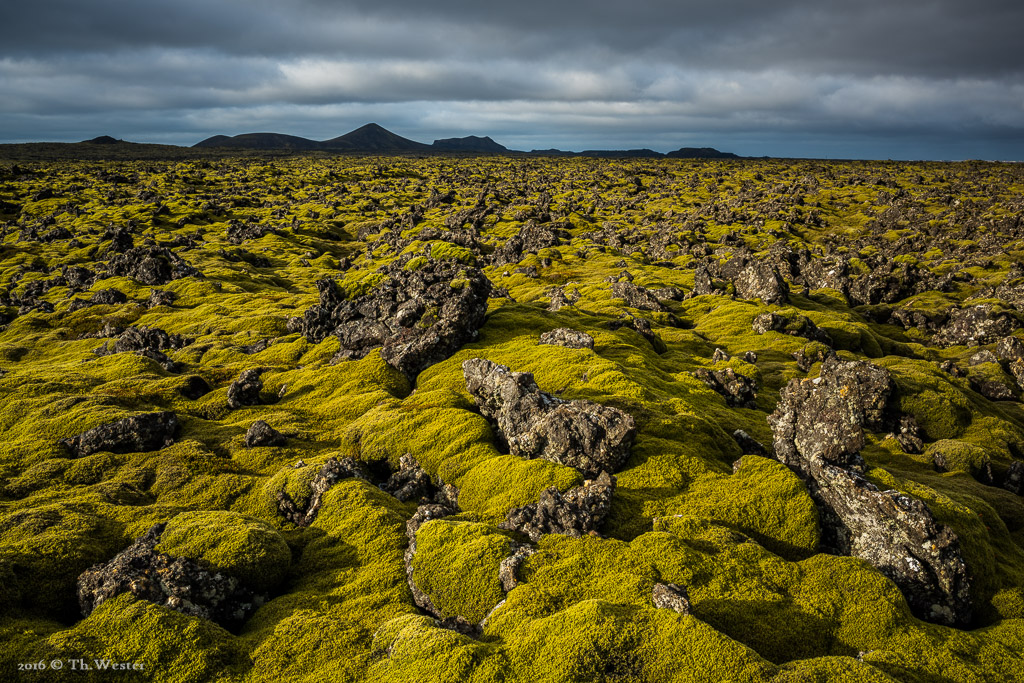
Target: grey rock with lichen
{"x":818,"y":428}
{"x":577,"y":512}
{"x":534,"y":424}
{"x":567,"y":337}
{"x":178,"y":583}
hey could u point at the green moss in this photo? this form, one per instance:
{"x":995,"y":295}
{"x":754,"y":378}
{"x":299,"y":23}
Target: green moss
{"x":456,"y":564}
{"x":240,"y":546}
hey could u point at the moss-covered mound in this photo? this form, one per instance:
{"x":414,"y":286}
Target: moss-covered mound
{"x":241,"y":546}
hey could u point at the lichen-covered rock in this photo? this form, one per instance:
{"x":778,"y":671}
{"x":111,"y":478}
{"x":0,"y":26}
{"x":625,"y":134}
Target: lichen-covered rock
{"x":178,"y":583}
{"x":534,"y":424}
{"x":416,"y":317}
{"x":636,"y":296}
{"x":974,"y":325}
{"x":138,"y":433}
{"x":577,"y":512}
{"x":643,"y":327}
{"x":1010,"y":349}
{"x":759,"y":280}
{"x":567,"y":337}
{"x":245,"y":391}
{"x":797,"y":326}
{"x":410,"y":482}
{"x":671,"y":596}
{"x":161,"y":297}
{"x":329,"y":474}
{"x":818,"y":429}
{"x":262,"y":434}
{"x":150,"y":265}
{"x":509,"y":568}
{"x":738,"y":390}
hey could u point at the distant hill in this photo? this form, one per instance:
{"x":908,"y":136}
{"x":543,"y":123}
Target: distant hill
{"x":102,"y":140}
{"x":373,"y":138}
{"x":700,"y":153}
{"x":260,"y":141}
{"x":470,"y":143}
{"x":621,"y":153}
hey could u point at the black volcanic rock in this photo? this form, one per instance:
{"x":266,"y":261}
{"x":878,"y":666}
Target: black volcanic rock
{"x":136,"y":434}
{"x":470,"y":143}
{"x":417,"y":317}
{"x":577,"y":512}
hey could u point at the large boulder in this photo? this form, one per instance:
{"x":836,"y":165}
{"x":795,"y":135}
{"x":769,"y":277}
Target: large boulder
{"x":179,"y":583}
{"x":135,"y":434}
{"x":534,"y":424}
{"x":416,"y":317}
{"x":818,"y":430}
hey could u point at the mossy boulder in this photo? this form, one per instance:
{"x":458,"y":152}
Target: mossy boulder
{"x":240,"y":546}
{"x":456,"y":565}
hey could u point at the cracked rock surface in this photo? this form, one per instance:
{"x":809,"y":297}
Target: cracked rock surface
{"x":534,"y":424}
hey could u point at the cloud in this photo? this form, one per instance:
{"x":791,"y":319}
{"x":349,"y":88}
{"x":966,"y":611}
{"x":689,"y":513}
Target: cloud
{"x":601,"y":74}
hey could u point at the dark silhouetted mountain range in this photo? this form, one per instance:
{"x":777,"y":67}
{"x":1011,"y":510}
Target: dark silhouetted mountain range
{"x":375,"y":139}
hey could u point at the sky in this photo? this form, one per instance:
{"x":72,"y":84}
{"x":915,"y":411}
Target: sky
{"x":906,"y":79}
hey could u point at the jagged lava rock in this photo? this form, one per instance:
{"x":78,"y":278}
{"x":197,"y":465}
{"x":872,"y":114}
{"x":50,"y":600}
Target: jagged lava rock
{"x":150,"y":265}
{"x":262,"y":434}
{"x":567,"y":337}
{"x":759,"y":280}
{"x":245,"y":391}
{"x":410,"y":481}
{"x":577,"y":512}
{"x":416,"y":317}
{"x":739,"y":391}
{"x":175,"y":582}
{"x":534,"y":424}
{"x":138,"y":433}
{"x":818,"y":433}
{"x":974,"y":325}
{"x":636,"y":296}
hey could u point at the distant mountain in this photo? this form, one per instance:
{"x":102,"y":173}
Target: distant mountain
{"x":373,"y":138}
{"x":621,"y":153}
{"x":260,"y":141}
{"x":700,"y":153}
{"x":102,"y":140}
{"x":470,"y":143}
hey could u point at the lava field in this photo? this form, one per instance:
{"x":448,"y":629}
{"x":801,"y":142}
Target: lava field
{"x":511,"y":419}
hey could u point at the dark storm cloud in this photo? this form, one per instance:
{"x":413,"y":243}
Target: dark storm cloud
{"x":600,"y":73}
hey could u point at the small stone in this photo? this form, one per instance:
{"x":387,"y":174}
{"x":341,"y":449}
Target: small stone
{"x":262,"y":434}
{"x":671,"y":596}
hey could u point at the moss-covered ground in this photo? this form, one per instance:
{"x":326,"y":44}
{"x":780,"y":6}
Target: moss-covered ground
{"x":765,"y":603}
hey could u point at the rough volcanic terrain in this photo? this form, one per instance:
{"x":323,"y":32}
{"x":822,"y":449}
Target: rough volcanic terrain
{"x":512,"y":419}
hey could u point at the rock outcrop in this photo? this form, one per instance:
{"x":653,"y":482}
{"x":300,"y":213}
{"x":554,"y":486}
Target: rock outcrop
{"x":138,"y":433}
{"x":567,"y":337}
{"x":175,"y":582}
{"x":416,"y":317}
{"x":576,"y":512}
{"x":534,"y":424}
{"x":818,"y":429}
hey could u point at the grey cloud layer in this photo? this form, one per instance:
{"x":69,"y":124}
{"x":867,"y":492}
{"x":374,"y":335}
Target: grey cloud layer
{"x":595,"y":72}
